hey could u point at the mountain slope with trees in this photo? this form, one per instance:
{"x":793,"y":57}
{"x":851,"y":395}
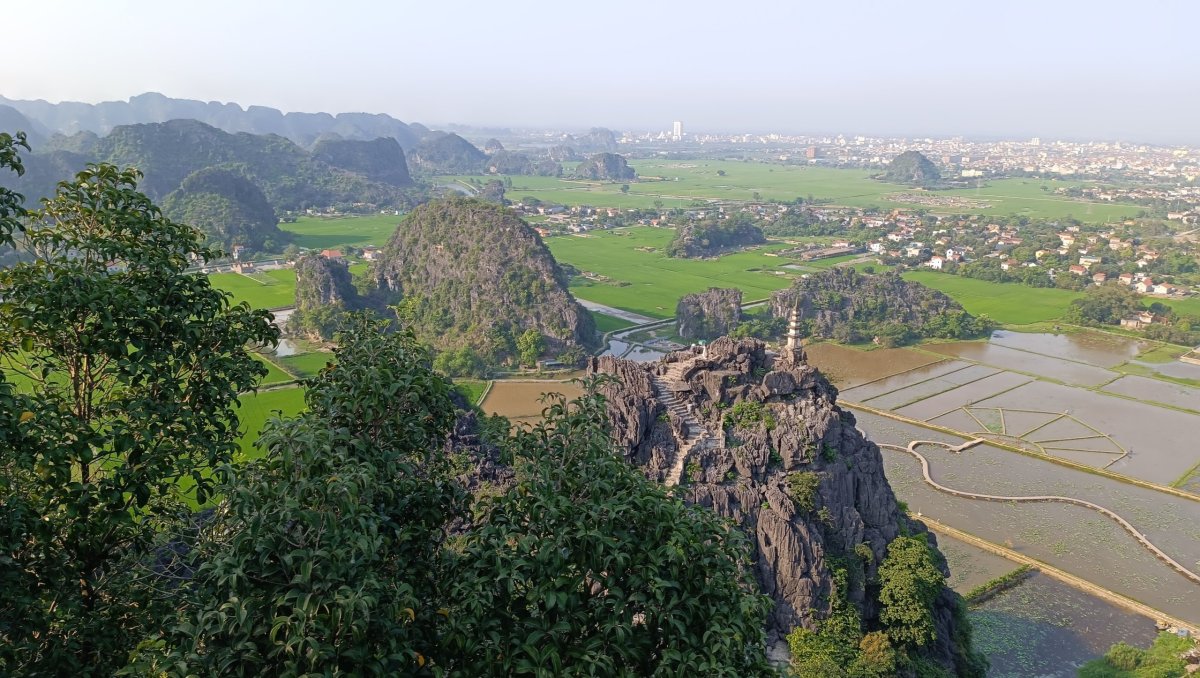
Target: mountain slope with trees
{"x":850,"y":307}
{"x":605,"y":167}
{"x":713,"y":236}
{"x":449,"y":154}
{"x":468,"y":273}
{"x":912,"y":168}
{"x":228,"y":208}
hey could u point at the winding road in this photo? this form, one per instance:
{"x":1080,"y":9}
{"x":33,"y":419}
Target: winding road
{"x":1125,"y":524}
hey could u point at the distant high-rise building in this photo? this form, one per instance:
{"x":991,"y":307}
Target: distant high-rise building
{"x":676,"y":131}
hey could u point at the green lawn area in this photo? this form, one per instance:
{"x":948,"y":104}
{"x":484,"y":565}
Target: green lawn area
{"x":319,"y":233}
{"x":306,"y":365}
{"x":1007,"y":303}
{"x":607,"y":323}
{"x":655,"y":281}
{"x":1189,"y":306}
{"x":470,"y":388}
{"x":275,"y":375}
{"x":831,"y":261}
{"x":675,"y":183}
{"x":267,"y":289}
{"x":256,"y":408}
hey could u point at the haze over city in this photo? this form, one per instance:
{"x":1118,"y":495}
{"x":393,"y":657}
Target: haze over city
{"x":1078,"y":70}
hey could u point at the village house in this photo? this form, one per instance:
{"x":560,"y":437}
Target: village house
{"x":1144,"y":285}
{"x":1089,"y":261}
{"x":1138,"y":321}
{"x":1008,"y":264}
{"x":1164,"y":288}
{"x":243,"y":267}
{"x":334,"y":255}
{"x":935,"y":262}
{"x":1126,"y":278}
{"x":1099,"y":278}
{"x":1078,"y":270}
{"x":371,"y":253}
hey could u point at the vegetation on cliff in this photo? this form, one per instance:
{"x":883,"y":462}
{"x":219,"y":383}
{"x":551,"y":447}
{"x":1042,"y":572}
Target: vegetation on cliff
{"x":465,"y":273}
{"x":912,"y":167}
{"x":380,"y":159}
{"x":605,"y":167}
{"x":847,"y":306}
{"x":167,"y":153}
{"x":714,"y":235}
{"x":324,"y":293}
{"x":228,"y":208}
{"x":709,"y":314}
{"x":449,"y":154}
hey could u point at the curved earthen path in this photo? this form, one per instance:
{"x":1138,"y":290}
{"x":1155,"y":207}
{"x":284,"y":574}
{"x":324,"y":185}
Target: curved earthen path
{"x":1125,"y":524}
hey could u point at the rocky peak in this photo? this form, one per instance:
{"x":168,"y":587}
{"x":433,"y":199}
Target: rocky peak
{"x":776,"y":429}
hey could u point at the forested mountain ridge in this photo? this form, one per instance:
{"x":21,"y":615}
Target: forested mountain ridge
{"x":470,"y":274}
{"x":228,"y":208}
{"x":848,"y":306}
{"x":69,"y":117}
{"x":291,"y":177}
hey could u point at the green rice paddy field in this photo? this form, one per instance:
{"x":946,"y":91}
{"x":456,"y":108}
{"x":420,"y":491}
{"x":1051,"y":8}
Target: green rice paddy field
{"x":679,"y":183}
{"x":318,"y":233}
{"x":656,"y":281}
{"x":1007,"y":303}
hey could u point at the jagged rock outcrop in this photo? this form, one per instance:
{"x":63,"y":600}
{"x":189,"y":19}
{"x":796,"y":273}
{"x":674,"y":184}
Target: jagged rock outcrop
{"x":773,"y":419}
{"x":323,"y":282}
{"x":709,"y":314}
{"x":605,"y":167}
{"x":714,"y":236}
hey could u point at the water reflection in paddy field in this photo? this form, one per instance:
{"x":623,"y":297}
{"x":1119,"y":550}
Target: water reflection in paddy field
{"x":1058,"y":368}
{"x":520,"y":401}
{"x":1048,"y":629}
{"x":1094,"y":348}
{"x":847,"y":367}
{"x":1144,"y":388}
{"x":1072,"y":538}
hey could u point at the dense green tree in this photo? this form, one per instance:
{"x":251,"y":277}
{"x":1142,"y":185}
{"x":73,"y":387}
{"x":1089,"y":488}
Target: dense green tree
{"x":530,"y":346}
{"x":910,"y":582}
{"x":585,"y":567}
{"x":129,"y":370}
{"x":325,"y":557}
{"x":228,"y":208}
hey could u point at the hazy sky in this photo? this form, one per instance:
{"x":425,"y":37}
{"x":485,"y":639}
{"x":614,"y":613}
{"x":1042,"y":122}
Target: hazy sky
{"x":1058,"y":69}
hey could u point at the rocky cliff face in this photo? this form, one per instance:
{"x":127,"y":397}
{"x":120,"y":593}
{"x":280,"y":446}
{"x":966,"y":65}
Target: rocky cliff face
{"x":605,"y":167}
{"x":322,"y":282}
{"x":774,"y":421}
{"x":709,"y":314}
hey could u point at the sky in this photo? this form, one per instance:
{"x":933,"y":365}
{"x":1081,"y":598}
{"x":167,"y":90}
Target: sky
{"x":1058,"y":69}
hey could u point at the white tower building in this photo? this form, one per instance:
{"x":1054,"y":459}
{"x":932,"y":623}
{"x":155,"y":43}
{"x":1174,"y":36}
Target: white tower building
{"x":676,"y":131}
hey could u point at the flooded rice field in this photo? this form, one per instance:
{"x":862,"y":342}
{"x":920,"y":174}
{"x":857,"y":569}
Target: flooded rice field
{"x":848,"y":367}
{"x":1073,"y":538}
{"x":521,"y":401}
{"x":1057,"y":368}
{"x":1008,"y":387}
{"x":1041,"y":627}
{"x":1048,"y":629}
{"x":1144,"y":388}
{"x":1094,"y":348}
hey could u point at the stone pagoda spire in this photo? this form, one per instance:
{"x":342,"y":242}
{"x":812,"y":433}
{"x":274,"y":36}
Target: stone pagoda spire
{"x":794,"y":352}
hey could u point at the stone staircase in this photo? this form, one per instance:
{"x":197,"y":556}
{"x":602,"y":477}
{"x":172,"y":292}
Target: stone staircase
{"x":694,"y":433}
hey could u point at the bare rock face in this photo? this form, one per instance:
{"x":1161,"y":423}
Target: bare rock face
{"x":709,"y":314}
{"x":775,"y":418}
{"x":323,"y":282}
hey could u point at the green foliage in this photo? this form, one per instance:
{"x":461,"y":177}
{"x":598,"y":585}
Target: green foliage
{"x":460,"y":362}
{"x":749,"y":414}
{"x":530,"y":346}
{"x":1161,"y":660}
{"x":711,"y":236}
{"x":229,"y":209}
{"x":135,"y":369}
{"x":11,"y":209}
{"x":449,"y":154}
{"x":694,"y":472}
{"x":802,"y":488}
{"x":326,"y":556}
{"x":910,"y":583}
{"x":605,"y":167}
{"x":587,"y":567}
{"x":990,"y":588}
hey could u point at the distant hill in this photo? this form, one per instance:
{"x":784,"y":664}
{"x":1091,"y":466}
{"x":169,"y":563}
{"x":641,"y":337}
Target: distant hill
{"x":468,"y":273}
{"x":511,"y":162}
{"x":847,"y":306}
{"x":713,"y":236}
{"x":69,"y":117}
{"x":291,"y":177}
{"x":381,"y":159}
{"x":605,"y":167}
{"x":598,"y":139}
{"x":229,"y":208}
{"x":911,"y":167}
{"x":449,"y":154}
{"x":12,"y":121}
